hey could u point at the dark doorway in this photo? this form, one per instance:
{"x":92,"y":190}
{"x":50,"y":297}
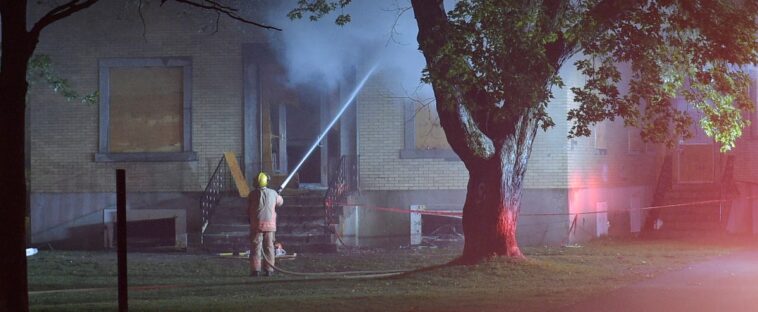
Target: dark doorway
{"x":310,"y":172}
{"x":303,"y":127}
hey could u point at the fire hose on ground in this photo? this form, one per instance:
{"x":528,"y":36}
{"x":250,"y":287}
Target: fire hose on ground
{"x":339,"y":275}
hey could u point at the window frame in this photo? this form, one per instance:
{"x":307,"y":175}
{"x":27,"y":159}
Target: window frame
{"x":409,"y":150}
{"x":104,"y":154}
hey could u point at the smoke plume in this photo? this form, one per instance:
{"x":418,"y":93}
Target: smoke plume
{"x":382,"y":32}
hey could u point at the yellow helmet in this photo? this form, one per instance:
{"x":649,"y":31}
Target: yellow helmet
{"x":262,"y":180}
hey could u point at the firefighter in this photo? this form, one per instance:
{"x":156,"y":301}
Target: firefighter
{"x":261,"y":209}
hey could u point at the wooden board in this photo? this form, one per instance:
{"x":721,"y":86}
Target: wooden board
{"x":239,"y":178}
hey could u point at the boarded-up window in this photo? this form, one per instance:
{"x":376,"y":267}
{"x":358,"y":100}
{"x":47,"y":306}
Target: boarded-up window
{"x":146,"y":109}
{"x":429,"y":133}
{"x":424,"y":137}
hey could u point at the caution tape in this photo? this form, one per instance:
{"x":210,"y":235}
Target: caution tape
{"x":403,"y":210}
{"x":459,"y":214}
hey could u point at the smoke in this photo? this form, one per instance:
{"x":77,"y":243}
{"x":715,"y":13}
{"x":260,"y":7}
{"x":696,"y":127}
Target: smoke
{"x":381,"y":32}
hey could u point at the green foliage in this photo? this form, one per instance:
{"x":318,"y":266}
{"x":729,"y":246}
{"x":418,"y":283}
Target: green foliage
{"x":502,"y":55}
{"x":318,"y":9}
{"x":40,"y":69}
{"x":689,"y":49}
{"x":496,"y":54}
{"x":503,"y":58}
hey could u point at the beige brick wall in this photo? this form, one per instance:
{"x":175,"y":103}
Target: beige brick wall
{"x":556,"y":162}
{"x":64,"y":136}
{"x":548,"y":162}
{"x":381,"y":134}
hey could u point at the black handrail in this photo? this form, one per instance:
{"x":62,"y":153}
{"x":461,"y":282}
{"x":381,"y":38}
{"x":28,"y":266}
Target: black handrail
{"x":343,"y":182}
{"x":219,"y":184}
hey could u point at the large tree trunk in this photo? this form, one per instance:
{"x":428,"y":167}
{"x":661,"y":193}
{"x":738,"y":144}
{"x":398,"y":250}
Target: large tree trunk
{"x":490,"y":215}
{"x":493,"y":198}
{"x":17,"y":48}
{"x":496,"y":157}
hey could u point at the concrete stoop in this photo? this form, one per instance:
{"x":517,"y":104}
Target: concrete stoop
{"x":301,"y":224}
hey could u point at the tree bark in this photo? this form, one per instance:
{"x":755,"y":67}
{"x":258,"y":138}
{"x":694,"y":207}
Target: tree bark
{"x":490,"y":216}
{"x":496,"y":163}
{"x":493,"y":197}
{"x":17,"y":48}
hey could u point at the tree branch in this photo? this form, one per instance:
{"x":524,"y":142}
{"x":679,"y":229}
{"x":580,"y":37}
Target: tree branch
{"x":599,"y":18}
{"x":59,"y":13}
{"x":226,"y":10}
{"x":142,"y":19}
{"x":478,"y":143}
{"x":456,"y":118}
{"x":556,"y":51}
{"x":393,"y":31}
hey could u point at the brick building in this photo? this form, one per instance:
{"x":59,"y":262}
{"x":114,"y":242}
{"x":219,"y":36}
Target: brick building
{"x":181,"y":89}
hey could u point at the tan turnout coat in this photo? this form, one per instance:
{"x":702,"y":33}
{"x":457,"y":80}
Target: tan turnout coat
{"x":261,"y":209}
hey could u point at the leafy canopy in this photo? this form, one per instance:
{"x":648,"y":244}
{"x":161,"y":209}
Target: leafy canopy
{"x":505,"y":56}
{"x":696,"y":50}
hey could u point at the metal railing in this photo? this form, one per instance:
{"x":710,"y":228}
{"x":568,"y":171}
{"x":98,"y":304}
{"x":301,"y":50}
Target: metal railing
{"x":220,"y":184}
{"x":343,"y":182}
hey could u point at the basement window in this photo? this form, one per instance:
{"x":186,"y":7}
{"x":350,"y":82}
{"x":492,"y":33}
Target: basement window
{"x":145,"y":110}
{"x":424,"y":137}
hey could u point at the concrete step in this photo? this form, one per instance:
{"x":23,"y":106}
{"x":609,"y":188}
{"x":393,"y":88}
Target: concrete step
{"x":286,"y":210}
{"x":303,"y":197}
{"x":300,"y":224}
{"x":300,"y":211}
{"x":312,"y":228}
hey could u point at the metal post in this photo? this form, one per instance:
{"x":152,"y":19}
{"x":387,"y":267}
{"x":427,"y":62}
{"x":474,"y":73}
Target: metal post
{"x":121,"y":239}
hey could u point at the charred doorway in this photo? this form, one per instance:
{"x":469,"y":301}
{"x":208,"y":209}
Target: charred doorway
{"x":304,"y":122}
{"x":283,"y":120}
{"x":291,"y":119}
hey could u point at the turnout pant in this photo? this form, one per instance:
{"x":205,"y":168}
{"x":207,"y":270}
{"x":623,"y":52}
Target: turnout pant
{"x":262,"y":246}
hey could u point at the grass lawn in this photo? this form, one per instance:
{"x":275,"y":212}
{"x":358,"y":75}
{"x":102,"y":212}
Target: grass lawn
{"x":550,"y":278}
